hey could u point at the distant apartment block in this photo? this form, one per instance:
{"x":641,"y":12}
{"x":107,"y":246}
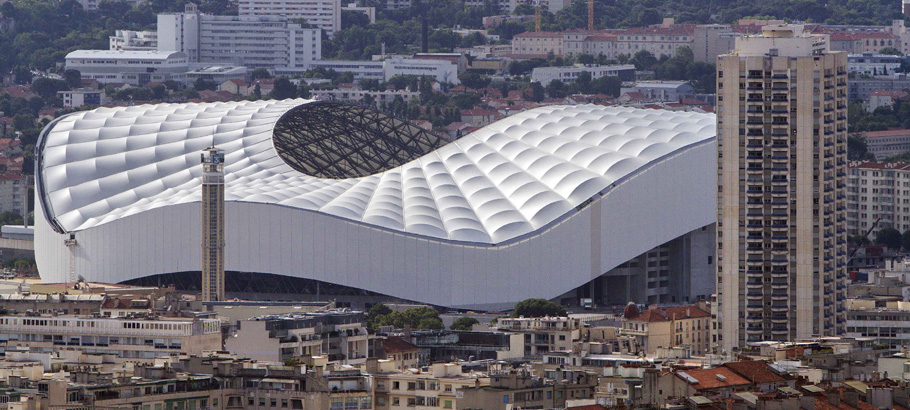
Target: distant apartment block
{"x":873,"y":64}
{"x":537,"y":44}
{"x":589,"y":42}
{"x":325,"y":14}
{"x":862,"y":88}
{"x":889,"y":325}
{"x":130,"y":40}
{"x":878,"y":192}
{"x":546,"y":75}
{"x":887,"y":143}
{"x":125,"y":339}
{"x":136,"y":68}
{"x":14,"y":193}
{"x":659,"y":41}
{"x":440,"y":70}
{"x":271,"y":42}
{"x":338,"y":335}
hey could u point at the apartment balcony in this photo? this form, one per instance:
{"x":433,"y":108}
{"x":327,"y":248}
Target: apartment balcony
{"x":775,"y":307}
{"x":780,"y":284}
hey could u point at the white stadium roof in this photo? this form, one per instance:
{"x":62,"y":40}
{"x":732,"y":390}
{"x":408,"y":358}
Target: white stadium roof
{"x":573,"y":190}
{"x":501,"y":182}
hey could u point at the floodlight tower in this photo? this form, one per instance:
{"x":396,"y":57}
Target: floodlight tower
{"x":212,"y":224}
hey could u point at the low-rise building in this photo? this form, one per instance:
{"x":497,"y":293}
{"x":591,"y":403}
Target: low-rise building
{"x":130,"y":40}
{"x":873,"y":64}
{"x":568,"y":74}
{"x":656,"y":91}
{"x":216,"y":74}
{"x":438,"y":387}
{"x":82,"y":96}
{"x":136,"y":68}
{"x":355,"y":93}
{"x":440,"y":70}
{"x":128,"y":340}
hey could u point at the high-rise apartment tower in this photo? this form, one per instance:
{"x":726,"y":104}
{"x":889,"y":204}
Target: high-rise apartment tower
{"x":781,"y":188}
{"x":212,"y":224}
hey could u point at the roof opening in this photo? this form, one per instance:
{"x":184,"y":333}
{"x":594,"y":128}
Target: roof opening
{"x":328,"y":139}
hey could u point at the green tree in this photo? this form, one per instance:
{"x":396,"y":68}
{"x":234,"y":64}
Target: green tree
{"x":303,"y":91}
{"x":47,"y":88}
{"x":283,"y":89}
{"x":23,"y":75}
{"x":889,"y":237}
{"x":535,"y":92}
{"x":464,"y":323}
{"x":891,"y":51}
{"x":260,"y":73}
{"x":73,"y":78}
{"x":22,"y":122}
{"x":473,"y":80}
{"x":372,"y":317}
{"x":203,"y":84}
{"x":556,"y":89}
{"x":644,"y":60}
{"x":538,"y":308}
{"x":905,"y":241}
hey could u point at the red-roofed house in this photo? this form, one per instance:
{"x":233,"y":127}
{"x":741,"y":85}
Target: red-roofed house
{"x":235,"y":86}
{"x":677,"y":326}
{"x":479,"y":117}
{"x":884,"y":98}
{"x":717,"y":383}
{"x":401,"y":352}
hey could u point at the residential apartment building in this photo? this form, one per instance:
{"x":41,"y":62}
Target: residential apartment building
{"x":589,"y":42}
{"x":862,"y":88}
{"x":14,"y":193}
{"x":537,"y":44}
{"x":436,"y":388}
{"x":568,"y":74}
{"x":337,"y":334}
{"x":544,"y":334}
{"x":521,"y":390}
{"x":136,"y":68}
{"x":660,"y":41}
{"x":878,"y":196}
{"x":782,"y":167}
{"x":325,"y":14}
{"x":253,"y":41}
{"x":678,"y":326}
{"x":127,"y":340}
{"x":357,"y":94}
{"x":131,"y":40}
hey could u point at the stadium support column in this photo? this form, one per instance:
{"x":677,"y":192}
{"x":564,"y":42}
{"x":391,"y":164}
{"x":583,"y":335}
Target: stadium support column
{"x":212,"y":224}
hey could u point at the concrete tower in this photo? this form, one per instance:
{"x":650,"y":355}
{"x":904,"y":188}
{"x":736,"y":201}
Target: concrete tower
{"x":212,"y":224}
{"x":782,"y":145}
{"x":905,"y":7}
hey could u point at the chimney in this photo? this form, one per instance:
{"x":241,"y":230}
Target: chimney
{"x":851,"y":398}
{"x":834,"y":398}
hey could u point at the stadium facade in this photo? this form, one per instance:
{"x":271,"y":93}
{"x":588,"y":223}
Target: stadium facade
{"x":606,"y":202}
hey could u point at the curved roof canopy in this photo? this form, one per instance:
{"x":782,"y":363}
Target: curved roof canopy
{"x":495,"y":185}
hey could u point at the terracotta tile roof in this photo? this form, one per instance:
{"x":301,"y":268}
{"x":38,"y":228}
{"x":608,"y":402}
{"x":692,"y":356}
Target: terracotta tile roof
{"x":680,"y":29}
{"x":478,"y":111}
{"x":589,"y":407}
{"x":878,"y":165}
{"x":756,"y":371}
{"x":886,"y":133}
{"x":718,"y":377}
{"x":395,"y":344}
{"x":542,"y":34}
{"x":897,"y":94}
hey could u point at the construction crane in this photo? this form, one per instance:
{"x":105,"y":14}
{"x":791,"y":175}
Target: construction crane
{"x":537,"y":17}
{"x":590,"y":15}
{"x":852,"y":254}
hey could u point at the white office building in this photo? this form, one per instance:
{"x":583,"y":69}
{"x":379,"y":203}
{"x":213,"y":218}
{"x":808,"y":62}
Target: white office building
{"x":250,"y":41}
{"x":441,"y":70}
{"x":82,"y":96}
{"x":131,"y":40}
{"x":136,"y":68}
{"x":325,"y":14}
{"x":568,"y":74}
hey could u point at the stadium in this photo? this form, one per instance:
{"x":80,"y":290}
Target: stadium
{"x":558,"y":202}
